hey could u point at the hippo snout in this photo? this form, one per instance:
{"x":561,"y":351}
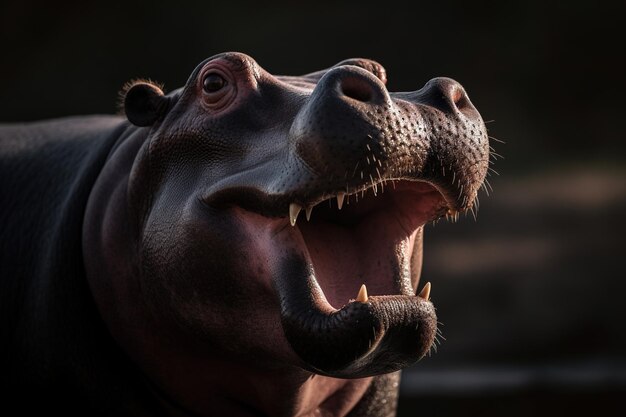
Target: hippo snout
{"x":353,"y":129}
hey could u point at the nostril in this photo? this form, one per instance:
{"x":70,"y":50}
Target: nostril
{"x":447,"y":96}
{"x":357,"y":89}
{"x":460,"y":99}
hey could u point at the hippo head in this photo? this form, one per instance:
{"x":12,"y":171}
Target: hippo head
{"x":280,"y":219}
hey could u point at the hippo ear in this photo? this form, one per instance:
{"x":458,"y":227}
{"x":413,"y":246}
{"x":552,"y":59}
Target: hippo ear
{"x":144,"y":102}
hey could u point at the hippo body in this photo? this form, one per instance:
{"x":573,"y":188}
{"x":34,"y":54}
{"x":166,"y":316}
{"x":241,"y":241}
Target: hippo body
{"x":203,"y":255}
{"x":59,"y":351}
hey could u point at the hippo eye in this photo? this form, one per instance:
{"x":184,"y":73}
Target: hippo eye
{"x":213,"y":82}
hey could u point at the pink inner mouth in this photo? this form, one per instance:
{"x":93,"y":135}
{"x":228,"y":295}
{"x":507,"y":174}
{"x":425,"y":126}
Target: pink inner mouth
{"x":370,"y":241}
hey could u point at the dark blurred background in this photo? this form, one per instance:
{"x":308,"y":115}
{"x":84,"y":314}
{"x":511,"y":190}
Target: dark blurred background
{"x":532,"y":295}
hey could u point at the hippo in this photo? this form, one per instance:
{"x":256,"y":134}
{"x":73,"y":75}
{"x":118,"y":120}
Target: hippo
{"x":247,"y":245}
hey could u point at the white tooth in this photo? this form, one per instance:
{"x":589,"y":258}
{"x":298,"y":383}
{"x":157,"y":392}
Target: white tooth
{"x":425,"y":293}
{"x":294,"y":210}
{"x":308,"y":213}
{"x":340,"y":197}
{"x":362,"y":296}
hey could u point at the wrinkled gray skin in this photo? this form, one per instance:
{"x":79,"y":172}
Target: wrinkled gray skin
{"x":216,"y":304}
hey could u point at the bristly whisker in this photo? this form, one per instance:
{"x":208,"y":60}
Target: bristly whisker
{"x":497,"y":140}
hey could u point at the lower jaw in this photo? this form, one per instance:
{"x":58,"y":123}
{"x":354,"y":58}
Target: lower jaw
{"x":382,"y":334}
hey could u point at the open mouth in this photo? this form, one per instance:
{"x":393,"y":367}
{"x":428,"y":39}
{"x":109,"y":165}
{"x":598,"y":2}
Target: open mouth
{"x":349,"y":304}
{"x":345,"y":267}
{"x":365,"y":242}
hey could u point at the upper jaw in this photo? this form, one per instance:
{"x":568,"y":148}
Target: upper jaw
{"x":344,"y":197}
{"x":289,"y":201}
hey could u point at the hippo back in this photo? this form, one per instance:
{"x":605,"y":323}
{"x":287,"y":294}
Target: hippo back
{"x":47,"y":170}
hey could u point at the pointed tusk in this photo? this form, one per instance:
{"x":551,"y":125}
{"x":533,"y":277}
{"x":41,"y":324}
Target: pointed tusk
{"x":362,"y":296}
{"x":308,"y":212}
{"x":340,"y":197}
{"x":294,"y":210}
{"x":425,"y":293}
